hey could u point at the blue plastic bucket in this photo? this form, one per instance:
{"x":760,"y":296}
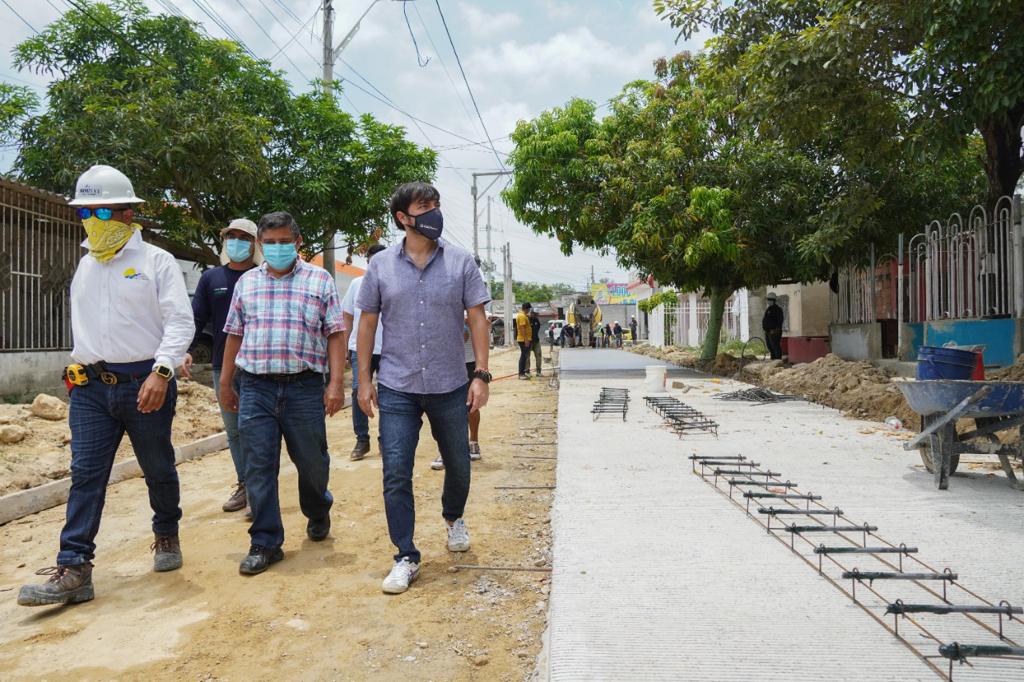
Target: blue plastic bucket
{"x":945,"y":363}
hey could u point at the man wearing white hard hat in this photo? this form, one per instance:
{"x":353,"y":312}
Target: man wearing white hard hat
{"x":132,"y":324}
{"x":210,"y":302}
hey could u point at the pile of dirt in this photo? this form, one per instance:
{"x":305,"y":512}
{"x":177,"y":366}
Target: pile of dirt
{"x":41,"y":451}
{"x":858,"y":389}
{"x":725,"y":365}
{"x":683,"y":357}
{"x":1014,"y":372}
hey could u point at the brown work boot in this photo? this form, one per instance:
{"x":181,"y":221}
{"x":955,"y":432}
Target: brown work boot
{"x":237,"y":500}
{"x":67,"y":585}
{"x":361,"y":450}
{"x":167,"y":555}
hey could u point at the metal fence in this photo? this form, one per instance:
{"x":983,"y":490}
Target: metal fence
{"x":671,"y":323}
{"x":39,"y":249}
{"x":960,"y":268}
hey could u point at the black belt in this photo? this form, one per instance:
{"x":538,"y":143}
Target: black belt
{"x":100,"y":372}
{"x":287,"y":378}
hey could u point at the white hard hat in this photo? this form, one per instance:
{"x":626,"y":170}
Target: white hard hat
{"x":242,"y":225}
{"x":772,"y":296}
{"x":104,"y":185}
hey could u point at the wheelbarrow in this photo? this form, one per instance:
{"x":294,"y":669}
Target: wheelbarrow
{"x":993,"y":405}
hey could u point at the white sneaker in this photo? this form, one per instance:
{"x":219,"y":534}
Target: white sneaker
{"x":474,"y":451}
{"x":437,"y":464}
{"x":401,"y":576}
{"x":458,"y":536}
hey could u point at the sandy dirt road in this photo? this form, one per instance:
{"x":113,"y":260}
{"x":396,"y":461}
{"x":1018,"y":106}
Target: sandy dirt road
{"x":319,"y":614}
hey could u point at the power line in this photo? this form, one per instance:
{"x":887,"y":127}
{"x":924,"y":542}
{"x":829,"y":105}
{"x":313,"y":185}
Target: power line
{"x":444,"y":65}
{"x":288,"y":10}
{"x":405,"y":13}
{"x":23,"y":19}
{"x":271,"y":39}
{"x":466,"y":81}
{"x":296,"y":34}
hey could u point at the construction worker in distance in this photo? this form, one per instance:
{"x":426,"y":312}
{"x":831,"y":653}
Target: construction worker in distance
{"x":132,"y":324}
{"x":524,"y":337}
{"x":772,"y":326}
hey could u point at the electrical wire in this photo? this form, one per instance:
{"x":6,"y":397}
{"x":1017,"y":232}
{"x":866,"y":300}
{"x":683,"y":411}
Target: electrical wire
{"x":296,"y":34}
{"x":23,"y":19}
{"x":465,"y":80}
{"x":405,"y":13}
{"x":271,"y":39}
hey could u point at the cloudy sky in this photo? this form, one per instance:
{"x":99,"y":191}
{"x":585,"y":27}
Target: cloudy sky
{"x":520,"y":57}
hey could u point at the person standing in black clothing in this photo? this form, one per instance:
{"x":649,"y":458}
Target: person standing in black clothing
{"x":772,"y":326}
{"x":535,"y":328}
{"x":617,"y":332}
{"x":633,"y":330}
{"x":210,"y":303}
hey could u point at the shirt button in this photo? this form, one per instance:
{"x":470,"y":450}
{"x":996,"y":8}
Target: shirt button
{"x":421,"y":324}
{"x":423,"y":345}
{"x":421,"y":302}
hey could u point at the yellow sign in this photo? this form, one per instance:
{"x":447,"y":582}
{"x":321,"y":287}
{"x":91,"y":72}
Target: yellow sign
{"x":612,"y":294}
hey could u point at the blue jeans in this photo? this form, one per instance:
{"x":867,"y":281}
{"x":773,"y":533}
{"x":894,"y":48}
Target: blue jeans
{"x":230,"y":420}
{"x":401,"y":416}
{"x":100,"y":415}
{"x":360,"y":422}
{"x":268,"y":410}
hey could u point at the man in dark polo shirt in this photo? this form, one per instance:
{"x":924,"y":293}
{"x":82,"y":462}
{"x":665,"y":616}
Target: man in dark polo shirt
{"x":423,"y":290}
{"x":210,"y":302}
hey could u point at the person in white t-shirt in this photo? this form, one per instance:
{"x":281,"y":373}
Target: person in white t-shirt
{"x":360,"y":422}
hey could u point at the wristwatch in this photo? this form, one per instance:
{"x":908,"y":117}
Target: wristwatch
{"x":483,"y":375}
{"x":163,"y":371}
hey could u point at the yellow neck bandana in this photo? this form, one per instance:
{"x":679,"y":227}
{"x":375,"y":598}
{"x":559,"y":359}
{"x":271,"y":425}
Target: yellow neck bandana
{"x":106,"y":237}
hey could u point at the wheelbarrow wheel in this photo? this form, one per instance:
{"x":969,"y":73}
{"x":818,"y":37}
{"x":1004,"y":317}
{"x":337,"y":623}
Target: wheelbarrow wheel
{"x":941,"y":440}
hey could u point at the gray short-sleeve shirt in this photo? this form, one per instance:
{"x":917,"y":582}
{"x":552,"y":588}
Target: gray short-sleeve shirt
{"x":422,"y":314}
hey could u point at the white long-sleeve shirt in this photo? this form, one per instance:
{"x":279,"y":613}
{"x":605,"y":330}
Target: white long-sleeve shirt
{"x":133,"y":307}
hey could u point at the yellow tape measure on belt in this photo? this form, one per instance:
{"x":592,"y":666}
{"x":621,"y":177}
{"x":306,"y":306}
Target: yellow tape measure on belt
{"x":76,"y":375}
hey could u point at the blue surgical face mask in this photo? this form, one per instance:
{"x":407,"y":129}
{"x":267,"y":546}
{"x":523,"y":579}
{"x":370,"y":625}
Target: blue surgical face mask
{"x":280,"y":256}
{"x":429,"y":224}
{"x":238,"y":250}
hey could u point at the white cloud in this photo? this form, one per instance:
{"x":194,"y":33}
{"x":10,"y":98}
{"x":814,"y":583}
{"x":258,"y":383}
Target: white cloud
{"x":572,"y":55}
{"x":483,"y":24}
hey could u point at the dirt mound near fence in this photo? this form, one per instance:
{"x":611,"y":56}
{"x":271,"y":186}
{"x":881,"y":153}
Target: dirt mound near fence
{"x":859,"y":389}
{"x":41,"y":450}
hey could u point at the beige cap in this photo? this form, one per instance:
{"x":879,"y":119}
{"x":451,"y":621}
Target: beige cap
{"x":242,"y":225}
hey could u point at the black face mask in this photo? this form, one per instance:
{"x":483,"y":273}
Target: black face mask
{"x":429,"y":224}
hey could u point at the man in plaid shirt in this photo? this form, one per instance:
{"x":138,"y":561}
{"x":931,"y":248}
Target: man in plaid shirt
{"x":285,"y":340}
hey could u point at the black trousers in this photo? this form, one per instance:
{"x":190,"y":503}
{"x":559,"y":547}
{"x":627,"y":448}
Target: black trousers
{"x":773,"y":339}
{"x":524,"y":358}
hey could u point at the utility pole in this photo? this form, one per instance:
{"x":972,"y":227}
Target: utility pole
{"x":490,"y":263}
{"x":476,"y":197}
{"x":328,"y":78}
{"x":592,"y":281}
{"x":509,"y":301}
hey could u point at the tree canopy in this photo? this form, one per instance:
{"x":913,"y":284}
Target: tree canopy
{"x":532,"y":292}
{"x":915,"y":78}
{"x":205,"y":132}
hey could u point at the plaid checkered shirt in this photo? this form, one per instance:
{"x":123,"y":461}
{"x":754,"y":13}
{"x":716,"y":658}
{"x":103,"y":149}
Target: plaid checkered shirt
{"x":284,"y":322}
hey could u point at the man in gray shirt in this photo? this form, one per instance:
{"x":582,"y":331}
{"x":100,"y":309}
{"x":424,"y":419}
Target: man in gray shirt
{"x":421,"y":290}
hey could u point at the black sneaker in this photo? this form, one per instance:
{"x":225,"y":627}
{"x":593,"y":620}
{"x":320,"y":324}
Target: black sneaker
{"x":318,"y":529}
{"x":259,"y":559}
{"x":167,"y":553}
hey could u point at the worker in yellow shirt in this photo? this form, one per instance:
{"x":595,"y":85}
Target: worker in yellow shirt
{"x":524,"y":337}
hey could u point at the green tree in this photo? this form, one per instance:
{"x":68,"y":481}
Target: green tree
{"x":674,"y":183}
{"x":532,"y":292}
{"x":16,"y":103}
{"x":205,"y":132}
{"x":877,"y":81}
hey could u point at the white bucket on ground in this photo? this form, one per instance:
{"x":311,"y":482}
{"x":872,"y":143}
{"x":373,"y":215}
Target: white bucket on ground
{"x":655,"y":380}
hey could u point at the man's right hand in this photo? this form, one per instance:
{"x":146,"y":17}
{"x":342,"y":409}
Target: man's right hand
{"x":228,"y":397}
{"x":367,"y":397}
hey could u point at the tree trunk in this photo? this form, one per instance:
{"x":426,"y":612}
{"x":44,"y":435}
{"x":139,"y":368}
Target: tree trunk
{"x":719,"y":296}
{"x":1003,"y":163}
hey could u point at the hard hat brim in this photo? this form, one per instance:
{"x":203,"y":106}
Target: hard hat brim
{"x":112,"y":200}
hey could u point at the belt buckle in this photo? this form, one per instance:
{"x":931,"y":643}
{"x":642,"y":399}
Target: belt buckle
{"x":109,"y":378}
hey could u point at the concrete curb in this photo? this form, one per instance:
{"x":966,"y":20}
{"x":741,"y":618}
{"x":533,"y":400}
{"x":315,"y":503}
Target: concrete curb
{"x":55,"y":493}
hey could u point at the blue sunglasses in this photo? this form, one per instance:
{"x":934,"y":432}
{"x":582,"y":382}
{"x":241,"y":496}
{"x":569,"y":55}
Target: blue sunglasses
{"x":101,"y":213}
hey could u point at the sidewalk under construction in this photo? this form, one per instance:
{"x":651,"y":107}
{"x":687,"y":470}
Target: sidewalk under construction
{"x":659,"y":574}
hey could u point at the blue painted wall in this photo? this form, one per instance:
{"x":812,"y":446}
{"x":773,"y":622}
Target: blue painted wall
{"x":998,"y":337}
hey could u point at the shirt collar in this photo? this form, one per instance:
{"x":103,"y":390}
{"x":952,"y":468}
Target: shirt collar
{"x":441,"y":244}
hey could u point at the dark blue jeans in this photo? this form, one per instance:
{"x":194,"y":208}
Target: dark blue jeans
{"x":360,"y":422}
{"x":401,"y":416}
{"x":230,"y":420}
{"x":99,"y":417}
{"x":268,"y":410}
